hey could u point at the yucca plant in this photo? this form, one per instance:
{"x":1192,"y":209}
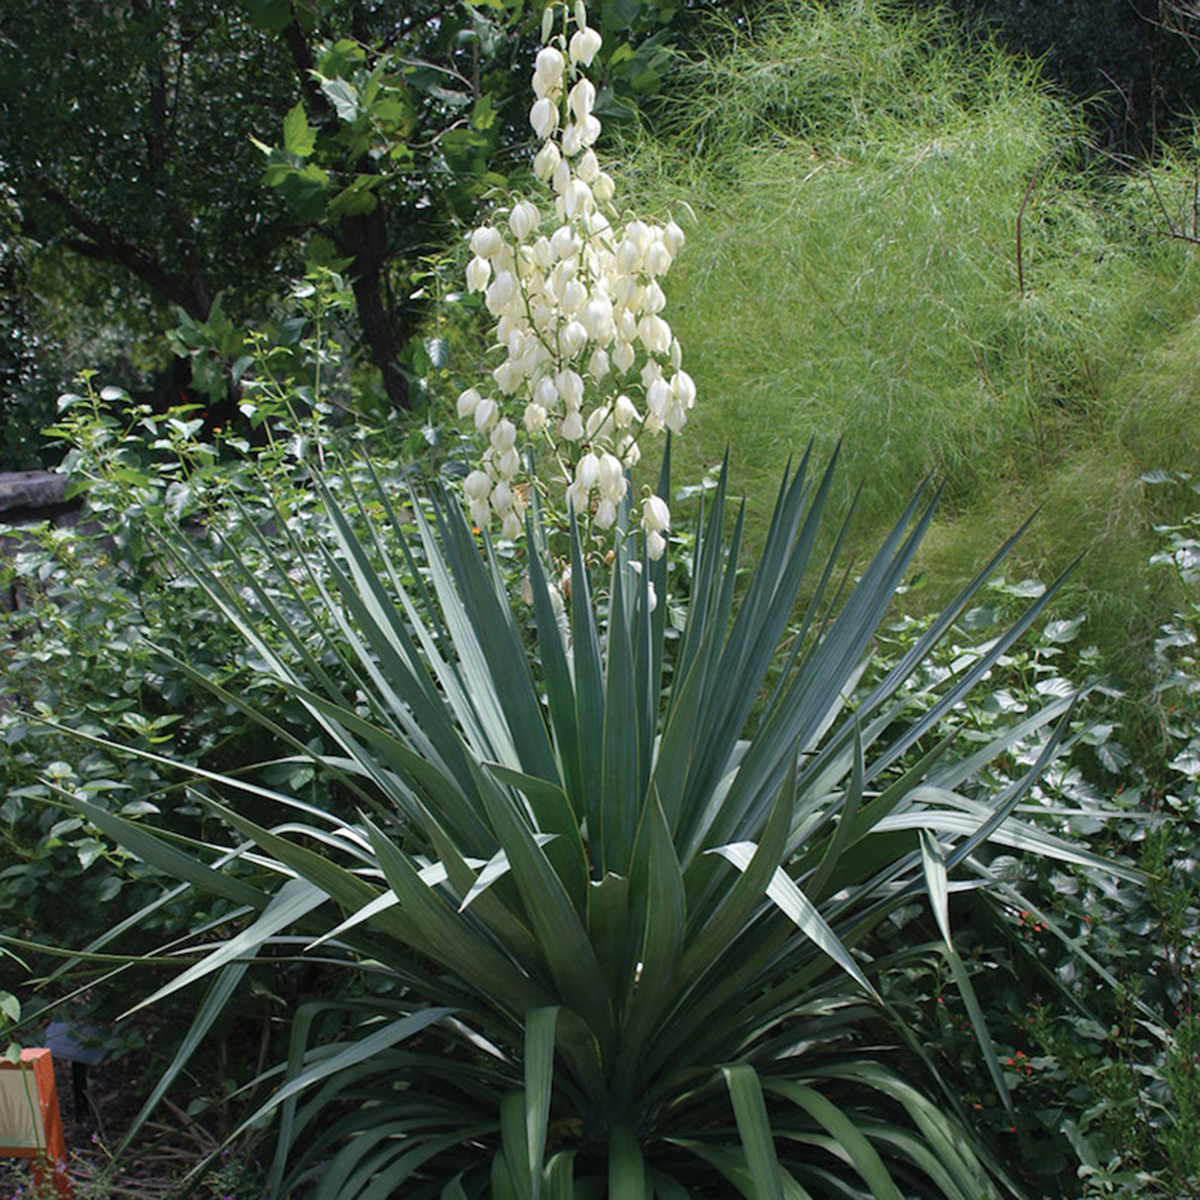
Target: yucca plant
{"x":614,"y":904}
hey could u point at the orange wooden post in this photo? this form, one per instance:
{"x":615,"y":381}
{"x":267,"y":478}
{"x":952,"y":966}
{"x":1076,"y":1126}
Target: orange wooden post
{"x":30,"y":1123}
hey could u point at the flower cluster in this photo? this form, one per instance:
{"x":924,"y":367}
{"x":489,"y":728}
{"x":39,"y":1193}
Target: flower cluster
{"x":590,"y":365}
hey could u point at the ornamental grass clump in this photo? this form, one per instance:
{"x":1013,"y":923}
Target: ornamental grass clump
{"x":604,"y":892}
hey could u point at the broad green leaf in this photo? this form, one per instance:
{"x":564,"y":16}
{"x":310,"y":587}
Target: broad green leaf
{"x":343,"y":96}
{"x":299,"y":137}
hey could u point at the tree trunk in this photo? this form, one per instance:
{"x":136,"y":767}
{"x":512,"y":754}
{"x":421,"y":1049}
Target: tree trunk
{"x":365,"y":238}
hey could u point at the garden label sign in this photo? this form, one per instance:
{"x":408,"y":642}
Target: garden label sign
{"x":30,"y":1124}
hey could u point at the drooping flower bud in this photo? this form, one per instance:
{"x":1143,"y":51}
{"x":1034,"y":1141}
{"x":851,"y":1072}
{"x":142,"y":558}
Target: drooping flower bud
{"x":655,"y":545}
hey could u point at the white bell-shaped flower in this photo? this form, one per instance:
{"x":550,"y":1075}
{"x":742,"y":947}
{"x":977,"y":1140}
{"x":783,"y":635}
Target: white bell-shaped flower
{"x":502,"y":497}
{"x":535,"y":417}
{"x":486,"y":242}
{"x":546,"y":159}
{"x":500,"y":293}
{"x":578,"y":500}
{"x":479,"y":271}
{"x":587,"y":471}
{"x":582,"y":99}
{"x":481,"y":513}
{"x":523,"y":220}
{"x":584,"y":46}
{"x":486,"y":413}
{"x":574,"y":294}
{"x":599,"y":426}
{"x":606,"y":514}
{"x":467,"y":403}
{"x":543,"y":116}
{"x":658,"y":397}
{"x":684,"y":389}
{"x":549,"y":65}
{"x":625,"y":412}
{"x":511,"y":526}
{"x":656,"y":544}
{"x":569,"y":385}
{"x":543,"y":255}
{"x":507,"y":376}
{"x":587,"y":168}
{"x":572,"y":140}
{"x":611,"y":477}
{"x":508,"y":463}
{"x":657,"y":259}
{"x":476,"y":486}
{"x":546,"y":392}
{"x":577,"y":199}
{"x":571,"y":427}
{"x":604,"y":189}
{"x":656,"y":516}
{"x":655,"y":334}
{"x":673,"y":238}
{"x":504,"y":435}
{"x":572,"y":338}
{"x":623,"y":356}
{"x":597,"y":366}
{"x":564,"y":243}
